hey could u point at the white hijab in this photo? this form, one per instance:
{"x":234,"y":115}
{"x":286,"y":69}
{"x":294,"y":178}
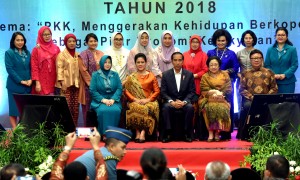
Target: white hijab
{"x":119,"y":57}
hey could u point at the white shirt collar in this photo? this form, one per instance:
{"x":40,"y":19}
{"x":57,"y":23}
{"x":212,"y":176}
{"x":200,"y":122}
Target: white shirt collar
{"x":179,"y":71}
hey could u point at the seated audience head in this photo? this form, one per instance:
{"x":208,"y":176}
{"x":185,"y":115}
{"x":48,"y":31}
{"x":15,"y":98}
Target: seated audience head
{"x":12,"y":171}
{"x":116,"y":141}
{"x":153,"y":163}
{"x":257,"y":58}
{"x":217,"y":170}
{"x":75,"y":171}
{"x":245,"y":174}
{"x":277,"y":167}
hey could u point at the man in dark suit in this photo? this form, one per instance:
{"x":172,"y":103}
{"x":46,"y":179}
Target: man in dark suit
{"x":177,"y":91}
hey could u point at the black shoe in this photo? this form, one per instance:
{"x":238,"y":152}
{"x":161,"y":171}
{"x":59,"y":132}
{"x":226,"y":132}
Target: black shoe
{"x":188,"y":139}
{"x":225,"y":136}
{"x":166,"y":140}
{"x":137,"y":140}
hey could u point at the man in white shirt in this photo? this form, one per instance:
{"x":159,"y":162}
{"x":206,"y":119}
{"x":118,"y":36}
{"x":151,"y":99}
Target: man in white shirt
{"x":177,"y":91}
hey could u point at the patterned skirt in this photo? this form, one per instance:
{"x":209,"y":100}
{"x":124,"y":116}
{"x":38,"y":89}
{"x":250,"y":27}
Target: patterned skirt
{"x":216,"y":115}
{"x":142,"y":117}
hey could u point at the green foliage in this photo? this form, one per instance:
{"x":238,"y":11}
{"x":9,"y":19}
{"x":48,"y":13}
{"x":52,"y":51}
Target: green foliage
{"x":17,"y":147}
{"x":266,"y":141}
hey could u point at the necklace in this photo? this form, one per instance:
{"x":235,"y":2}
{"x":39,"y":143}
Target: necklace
{"x":222,"y":53}
{"x":119,"y":59}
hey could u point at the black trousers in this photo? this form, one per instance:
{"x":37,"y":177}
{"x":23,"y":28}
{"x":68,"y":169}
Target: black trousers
{"x":168,"y":112}
{"x":243,"y":132}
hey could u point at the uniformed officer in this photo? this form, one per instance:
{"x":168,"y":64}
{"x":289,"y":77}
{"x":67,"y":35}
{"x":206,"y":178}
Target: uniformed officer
{"x":113,"y":152}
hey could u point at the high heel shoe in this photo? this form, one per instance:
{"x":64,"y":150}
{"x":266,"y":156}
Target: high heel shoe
{"x":210,"y":140}
{"x":142,"y":140}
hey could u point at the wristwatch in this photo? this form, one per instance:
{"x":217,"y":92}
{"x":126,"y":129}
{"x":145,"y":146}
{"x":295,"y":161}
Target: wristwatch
{"x":67,"y":148}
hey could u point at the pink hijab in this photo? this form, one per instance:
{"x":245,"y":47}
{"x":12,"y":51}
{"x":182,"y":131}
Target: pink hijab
{"x":166,"y":52}
{"x":46,"y":49}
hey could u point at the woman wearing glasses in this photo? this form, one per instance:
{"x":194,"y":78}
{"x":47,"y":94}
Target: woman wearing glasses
{"x":119,"y":55}
{"x":195,"y":61}
{"x":282,"y":59}
{"x":43,"y":58}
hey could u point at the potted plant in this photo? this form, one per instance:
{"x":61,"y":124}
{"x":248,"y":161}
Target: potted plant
{"x":268,"y":140}
{"x":32,"y":152}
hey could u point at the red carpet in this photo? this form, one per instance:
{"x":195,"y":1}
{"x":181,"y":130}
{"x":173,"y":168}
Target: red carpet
{"x":193,"y":156}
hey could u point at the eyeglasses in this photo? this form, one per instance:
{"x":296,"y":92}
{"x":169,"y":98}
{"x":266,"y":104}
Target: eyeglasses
{"x":281,"y":35}
{"x":47,"y":35}
{"x":257,"y":58}
{"x":195,"y":42}
{"x":118,"y":40}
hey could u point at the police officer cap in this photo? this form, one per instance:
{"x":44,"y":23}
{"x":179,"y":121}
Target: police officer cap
{"x":118,"y":133}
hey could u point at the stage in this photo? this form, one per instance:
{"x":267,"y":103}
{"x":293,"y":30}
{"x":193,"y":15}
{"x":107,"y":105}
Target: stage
{"x":193,"y":156}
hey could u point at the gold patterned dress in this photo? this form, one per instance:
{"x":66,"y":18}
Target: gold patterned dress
{"x":142,"y":117}
{"x":216,"y":113}
{"x":68,"y":80}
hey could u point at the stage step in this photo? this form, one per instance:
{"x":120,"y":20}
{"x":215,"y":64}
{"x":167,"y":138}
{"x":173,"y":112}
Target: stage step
{"x":193,"y":156}
{"x":193,"y":160}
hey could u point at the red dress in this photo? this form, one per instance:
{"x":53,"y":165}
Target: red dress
{"x":44,"y":71}
{"x":195,"y":61}
{"x":43,"y":58}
